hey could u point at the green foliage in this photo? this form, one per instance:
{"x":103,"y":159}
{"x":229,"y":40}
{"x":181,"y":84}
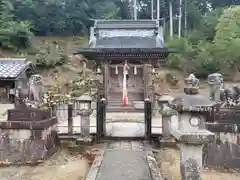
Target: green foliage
{"x":13,"y":35}
{"x":211,"y":42}
{"x":63,"y":17}
{"x":198,"y":59}
{"x":185,"y":53}
{"x":49,"y":58}
{"x":80,"y":87}
{"x":227,"y":39}
{"x":212,"y":47}
{"x":209,"y":23}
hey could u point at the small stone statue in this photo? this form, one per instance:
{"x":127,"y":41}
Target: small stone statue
{"x":192,"y":84}
{"x":215,"y":81}
{"x":36,"y":87}
{"x":232,"y":96}
{"x":191,"y":81}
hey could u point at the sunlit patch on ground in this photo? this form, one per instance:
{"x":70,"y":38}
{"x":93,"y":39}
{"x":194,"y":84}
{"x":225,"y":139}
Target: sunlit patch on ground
{"x":64,"y":165}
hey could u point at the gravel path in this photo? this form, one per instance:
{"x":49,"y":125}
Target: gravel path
{"x":124,"y":161}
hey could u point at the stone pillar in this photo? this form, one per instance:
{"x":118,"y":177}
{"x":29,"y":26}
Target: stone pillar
{"x":215,"y":82}
{"x":94,"y":108}
{"x":85,"y":121}
{"x":166,"y":114}
{"x":166,"y":122}
{"x":192,"y":134}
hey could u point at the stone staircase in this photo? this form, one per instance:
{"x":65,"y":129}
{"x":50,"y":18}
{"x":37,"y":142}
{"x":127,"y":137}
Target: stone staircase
{"x":115,"y":102}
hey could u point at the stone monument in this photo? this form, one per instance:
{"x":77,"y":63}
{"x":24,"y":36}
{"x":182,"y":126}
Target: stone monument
{"x":191,"y":133}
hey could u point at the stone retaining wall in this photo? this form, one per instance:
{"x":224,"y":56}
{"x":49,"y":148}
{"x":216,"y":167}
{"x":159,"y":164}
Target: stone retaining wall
{"x":224,"y":151}
{"x":27,"y":142}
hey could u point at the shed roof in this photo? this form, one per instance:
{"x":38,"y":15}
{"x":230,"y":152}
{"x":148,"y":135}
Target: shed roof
{"x":11,"y":68}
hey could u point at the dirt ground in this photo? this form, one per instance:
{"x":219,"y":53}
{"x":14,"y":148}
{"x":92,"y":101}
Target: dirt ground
{"x":63,"y":165}
{"x":169,"y":163}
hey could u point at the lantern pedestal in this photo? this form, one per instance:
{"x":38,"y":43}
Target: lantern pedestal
{"x":85,"y":121}
{"x":191,"y":145}
{"x":191,"y":132}
{"x":85,"y":137}
{"x":168,"y":139}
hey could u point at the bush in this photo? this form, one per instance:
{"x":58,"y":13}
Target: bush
{"x":15,"y":36}
{"x":185,"y":55}
{"x":49,"y":58}
{"x":199,"y":59}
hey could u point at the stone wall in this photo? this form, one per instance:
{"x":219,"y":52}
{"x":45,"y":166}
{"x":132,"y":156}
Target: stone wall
{"x":224,"y":151}
{"x":27,"y":142}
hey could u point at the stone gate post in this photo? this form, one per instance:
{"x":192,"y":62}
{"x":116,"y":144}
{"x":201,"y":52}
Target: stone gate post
{"x":191,"y":133}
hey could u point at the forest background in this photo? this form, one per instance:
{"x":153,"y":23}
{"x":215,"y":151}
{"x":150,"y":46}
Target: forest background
{"x":210,"y":40}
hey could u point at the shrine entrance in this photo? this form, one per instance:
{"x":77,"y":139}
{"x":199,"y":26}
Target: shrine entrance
{"x":126,"y":53}
{"x":125,"y":87}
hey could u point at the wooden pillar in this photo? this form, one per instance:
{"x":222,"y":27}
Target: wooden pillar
{"x":105,"y":78}
{"x":70,"y":119}
{"x":148,"y":86}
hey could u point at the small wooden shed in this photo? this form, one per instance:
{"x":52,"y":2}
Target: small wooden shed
{"x":14,"y":74}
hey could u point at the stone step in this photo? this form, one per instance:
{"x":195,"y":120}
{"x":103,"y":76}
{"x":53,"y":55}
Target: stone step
{"x":123,"y":110}
{"x":125,"y":116}
{"x":129,"y":93}
{"x":129,"y":97}
{"x":120,"y":106}
{"x":120,"y":103}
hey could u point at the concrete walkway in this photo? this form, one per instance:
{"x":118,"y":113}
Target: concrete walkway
{"x":125,"y":160}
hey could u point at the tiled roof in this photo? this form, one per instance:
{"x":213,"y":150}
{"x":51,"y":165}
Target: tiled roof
{"x":129,"y":42}
{"x":127,"y":34}
{"x":12,"y":68}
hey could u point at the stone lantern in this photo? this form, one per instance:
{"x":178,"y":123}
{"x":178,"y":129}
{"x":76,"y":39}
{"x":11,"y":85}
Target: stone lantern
{"x":83,"y":102}
{"x":191,"y":133}
{"x":85,"y":111}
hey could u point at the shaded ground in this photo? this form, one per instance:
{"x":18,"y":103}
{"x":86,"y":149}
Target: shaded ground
{"x":61,"y":166}
{"x":169,"y":159}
